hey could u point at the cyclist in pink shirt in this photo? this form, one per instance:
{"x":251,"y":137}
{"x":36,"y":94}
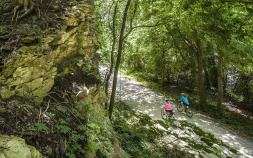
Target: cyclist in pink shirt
{"x":168,"y":108}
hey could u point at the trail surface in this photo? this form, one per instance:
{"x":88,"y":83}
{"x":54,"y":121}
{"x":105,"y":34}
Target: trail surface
{"x":144,"y":100}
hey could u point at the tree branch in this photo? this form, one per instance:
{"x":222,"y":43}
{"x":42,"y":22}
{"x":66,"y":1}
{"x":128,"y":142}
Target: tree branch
{"x":216,"y":13}
{"x":135,"y":10}
{"x":157,"y":24}
{"x":187,"y":42}
{"x":177,"y":46}
{"x":109,"y":15}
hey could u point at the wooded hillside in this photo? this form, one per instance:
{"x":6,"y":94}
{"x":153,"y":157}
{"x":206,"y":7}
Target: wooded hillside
{"x":205,"y":46}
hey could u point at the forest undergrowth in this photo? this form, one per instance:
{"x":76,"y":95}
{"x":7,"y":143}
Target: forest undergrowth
{"x":237,"y":122}
{"x":58,"y":129}
{"x":141,"y":136}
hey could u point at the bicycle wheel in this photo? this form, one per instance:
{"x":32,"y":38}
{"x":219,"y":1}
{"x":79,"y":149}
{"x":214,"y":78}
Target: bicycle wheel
{"x":163,"y":115}
{"x":179,"y":107}
{"x":189,"y":112}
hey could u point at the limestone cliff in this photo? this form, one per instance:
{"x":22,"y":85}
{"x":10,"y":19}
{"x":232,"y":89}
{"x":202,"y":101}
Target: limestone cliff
{"x":49,"y":80}
{"x":32,"y":67}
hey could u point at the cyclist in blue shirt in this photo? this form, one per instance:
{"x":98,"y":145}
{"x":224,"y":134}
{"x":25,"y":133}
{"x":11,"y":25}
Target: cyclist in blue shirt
{"x":183,"y":100}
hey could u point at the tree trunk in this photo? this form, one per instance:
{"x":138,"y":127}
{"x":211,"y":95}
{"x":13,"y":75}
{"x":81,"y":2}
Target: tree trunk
{"x":202,"y":94}
{"x":163,"y":67}
{"x":118,"y":59}
{"x":245,"y":90}
{"x":220,"y":88}
{"x":213,"y":70}
{"x":192,"y":66}
{"x":224,"y":81}
{"x":112,"y":55}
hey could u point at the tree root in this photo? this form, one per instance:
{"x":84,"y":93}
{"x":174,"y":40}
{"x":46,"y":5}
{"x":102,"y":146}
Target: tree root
{"x":28,"y":6}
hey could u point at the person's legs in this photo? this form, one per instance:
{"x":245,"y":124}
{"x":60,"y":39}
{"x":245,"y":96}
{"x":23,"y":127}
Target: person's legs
{"x":172,"y":114}
{"x":166,"y":113}
{"x":185,"y":107}
{"x":169,"y":113}
{"x":182,"y":104}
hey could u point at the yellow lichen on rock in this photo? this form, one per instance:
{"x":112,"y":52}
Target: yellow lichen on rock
{"x":6,"y":94}
{"x":15,"y":147}
{"x":33,"y":72}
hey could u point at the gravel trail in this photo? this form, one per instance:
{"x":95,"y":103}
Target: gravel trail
{"x":144,"y":100}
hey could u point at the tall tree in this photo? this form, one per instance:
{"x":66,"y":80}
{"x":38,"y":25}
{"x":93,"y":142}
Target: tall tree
{"x":220,"y":93}
{"x":118,"y":58}
{"x":113,"y":29}
{"x":198,"y":51}
{"x":202,"y":93}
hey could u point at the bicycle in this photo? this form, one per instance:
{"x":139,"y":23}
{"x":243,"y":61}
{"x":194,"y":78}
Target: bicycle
{"x":187,"y":109}
{"x":169,"y":115}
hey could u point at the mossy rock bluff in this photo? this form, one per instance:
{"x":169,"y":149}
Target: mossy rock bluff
{"x":46,"y":67}
{"x":15,"y":147}
{"x":31,"y":74}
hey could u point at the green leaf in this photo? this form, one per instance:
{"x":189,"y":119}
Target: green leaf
{"x":233,"y":150}
{"x":62,"y":121}
{"x":207,"y":141}
{"x":217,"y":150}
{"x":82,"y":128}
{"x":41,"y":126}
{"x":61,"y":109}
{"x":65,"y":129}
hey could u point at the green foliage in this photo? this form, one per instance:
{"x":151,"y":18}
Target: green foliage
{"x":50,"y":114}
{"x":41,"y":126}
{"x":170,"y":48}
{"x":2,"y":6}
{"x":62,"y":109}
{"x":64,"y":129}
{"x":73,"y":122}
{"x":85,"y":137}
{"x":234,"y":96}
{"x":30,"y":131}
{"x":139,"y":136}
{"x":26,"y":105}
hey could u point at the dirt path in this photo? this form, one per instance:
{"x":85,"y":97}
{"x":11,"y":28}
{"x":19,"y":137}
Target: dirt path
{"x":144,"y":100}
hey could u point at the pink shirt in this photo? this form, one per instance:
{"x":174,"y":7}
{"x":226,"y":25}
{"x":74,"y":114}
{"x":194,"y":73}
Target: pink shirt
{"x":168,"y":106}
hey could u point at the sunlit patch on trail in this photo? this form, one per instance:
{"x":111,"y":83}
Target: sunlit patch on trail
{"x":159,"y":127}
{"x":229,"y":138}
{"x":245,"y":152}
{"x":181,"y":118}
{"x":201,"y":115}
